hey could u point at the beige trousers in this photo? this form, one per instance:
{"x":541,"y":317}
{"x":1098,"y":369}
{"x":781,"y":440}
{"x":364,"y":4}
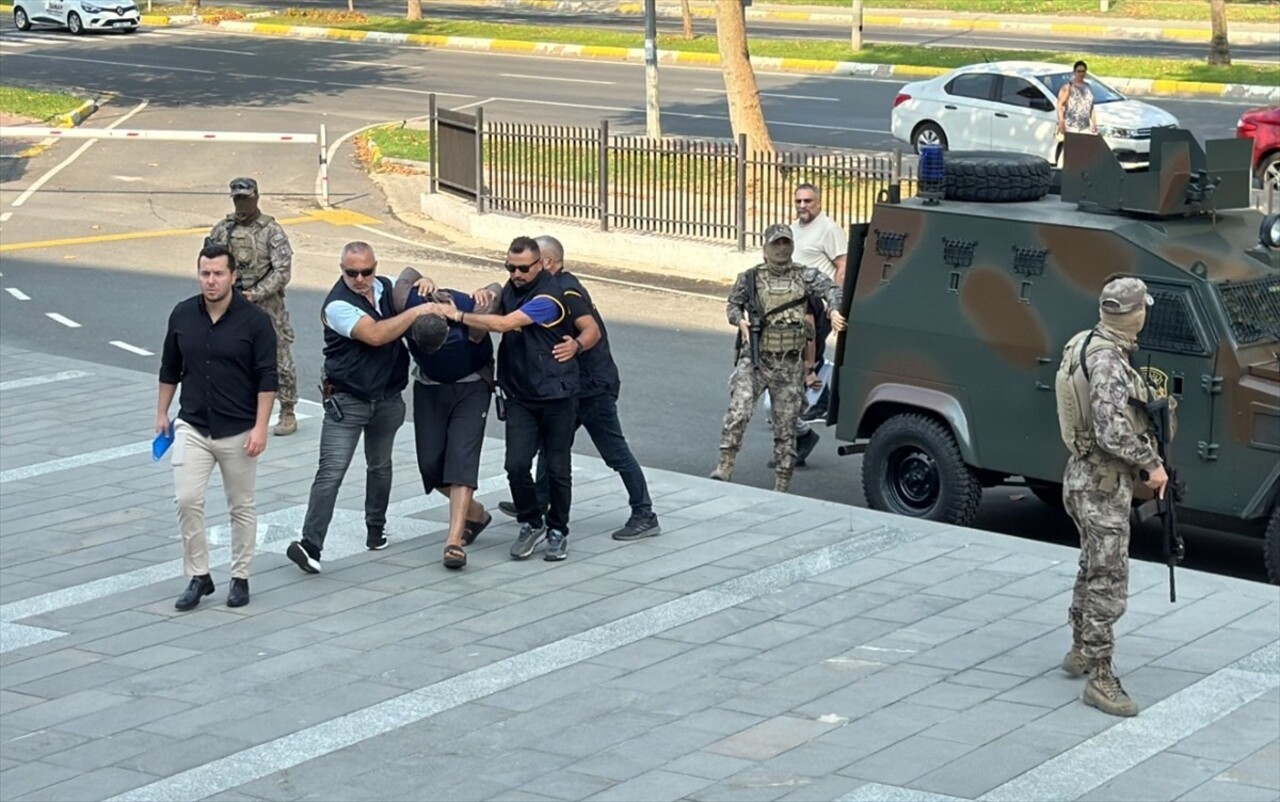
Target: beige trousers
{"x":194,"y":456}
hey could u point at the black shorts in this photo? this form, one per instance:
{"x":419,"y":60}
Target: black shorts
{"x":448,"y":430}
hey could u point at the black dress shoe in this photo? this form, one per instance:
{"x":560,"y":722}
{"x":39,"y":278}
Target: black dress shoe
{"x":199,"y":587}
{"x":239,"y":594}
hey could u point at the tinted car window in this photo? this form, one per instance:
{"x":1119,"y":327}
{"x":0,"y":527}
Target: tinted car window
{"x":1101,"y":92}
{"x":1021,"y":93}
{"x":978,"y":86}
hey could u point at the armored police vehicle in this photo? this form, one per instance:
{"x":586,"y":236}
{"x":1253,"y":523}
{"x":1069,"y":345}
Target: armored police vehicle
{"x":959,"y":307}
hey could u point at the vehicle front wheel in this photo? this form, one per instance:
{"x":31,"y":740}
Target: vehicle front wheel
{"x":928,"y":134}
{"x":75,"y":24}
{"x":1268,"y":172}
{"x":913,"y":467}
{"x":20,"y":19}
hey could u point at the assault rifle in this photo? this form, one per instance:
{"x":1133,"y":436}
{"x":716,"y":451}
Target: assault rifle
{"x":755,"y":321}
{"x":1166,"y":509}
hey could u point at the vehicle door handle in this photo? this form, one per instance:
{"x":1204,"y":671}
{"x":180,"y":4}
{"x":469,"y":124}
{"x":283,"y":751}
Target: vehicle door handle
{"x":949,"y":107}
{"x":1001,"y":114}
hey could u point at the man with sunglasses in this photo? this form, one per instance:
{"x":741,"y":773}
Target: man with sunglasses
{"x":366,"y":368}
{"x":538,"y":373}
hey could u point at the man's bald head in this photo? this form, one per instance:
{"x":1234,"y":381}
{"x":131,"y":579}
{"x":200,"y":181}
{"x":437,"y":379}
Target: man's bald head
{"x":552,"y":252}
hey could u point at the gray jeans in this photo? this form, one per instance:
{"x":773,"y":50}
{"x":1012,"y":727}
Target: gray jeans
{"x":378,"y":421}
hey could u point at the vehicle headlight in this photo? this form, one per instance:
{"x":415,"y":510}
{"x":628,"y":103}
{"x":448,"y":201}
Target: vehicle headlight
{"x":1117,"y":132}
{"x":91,"y":8}
{"x":1269,"y":233}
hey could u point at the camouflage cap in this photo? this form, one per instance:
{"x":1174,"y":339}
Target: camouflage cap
{"x":776,"y":232}
{"x":244,"y":186}
{"x":1123,"y":295}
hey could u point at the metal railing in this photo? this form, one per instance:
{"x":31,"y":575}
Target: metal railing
{"x":690,"y":188}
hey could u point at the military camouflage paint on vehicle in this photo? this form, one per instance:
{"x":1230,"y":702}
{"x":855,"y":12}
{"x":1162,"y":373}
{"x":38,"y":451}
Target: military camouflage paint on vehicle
{"x":959,"y":312}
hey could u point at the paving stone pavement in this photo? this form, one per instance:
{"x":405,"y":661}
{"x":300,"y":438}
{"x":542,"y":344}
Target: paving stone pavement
{"x":764,"y":647}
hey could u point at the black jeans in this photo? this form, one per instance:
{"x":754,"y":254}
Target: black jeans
{"x":598,"y":414}
{"x":545,"y":426}
{"x":378,"y":421}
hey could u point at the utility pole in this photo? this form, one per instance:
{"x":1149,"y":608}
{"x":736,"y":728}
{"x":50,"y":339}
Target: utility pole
{"x":855,"y":38}
{"x":652,"y":123}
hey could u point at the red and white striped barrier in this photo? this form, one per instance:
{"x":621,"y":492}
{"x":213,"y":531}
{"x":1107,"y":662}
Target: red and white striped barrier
{"x":250,"y":137}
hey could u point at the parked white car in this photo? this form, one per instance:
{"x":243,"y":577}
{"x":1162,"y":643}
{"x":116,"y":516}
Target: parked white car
{"x":77,"y":16}
{"x":1013,"y":106}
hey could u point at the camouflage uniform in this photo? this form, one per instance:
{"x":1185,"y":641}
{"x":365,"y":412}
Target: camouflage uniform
{"x":1098,"y":488}
{"x":265,"y":259}
{"x":781,"y":365}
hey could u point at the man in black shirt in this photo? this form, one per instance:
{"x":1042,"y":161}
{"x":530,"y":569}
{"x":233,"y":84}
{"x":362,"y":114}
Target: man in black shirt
{"x":222,"y":349}
{"x":539,"y":376}
{"x":366,"y":369}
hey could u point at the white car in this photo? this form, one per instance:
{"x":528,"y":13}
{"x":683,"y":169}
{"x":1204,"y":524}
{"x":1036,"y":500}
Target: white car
{"x":77,"y":16}
{"x":1013,"y":106}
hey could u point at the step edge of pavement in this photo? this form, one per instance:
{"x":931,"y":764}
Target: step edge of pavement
{"x":1142,"y":86}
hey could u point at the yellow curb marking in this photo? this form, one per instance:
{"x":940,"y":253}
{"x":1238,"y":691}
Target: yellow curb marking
{"x":336,"y":217}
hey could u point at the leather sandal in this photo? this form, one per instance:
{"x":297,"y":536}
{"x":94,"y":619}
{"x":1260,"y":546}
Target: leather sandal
{"x":454,"y":557}
{"x":474,"y":528}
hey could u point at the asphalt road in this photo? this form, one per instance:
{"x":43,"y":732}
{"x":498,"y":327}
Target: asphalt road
{"x":673,"y":348}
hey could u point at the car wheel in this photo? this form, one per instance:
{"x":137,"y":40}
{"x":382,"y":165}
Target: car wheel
{"x":913,"y":467}
{"x":75,"y":24}
{"x":990,"y":176}
{"x":20,"y":19}
{"x":1268,"y":172}
{"x":928,"y":134}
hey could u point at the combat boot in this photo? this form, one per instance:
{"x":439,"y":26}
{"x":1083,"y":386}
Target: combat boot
{"x":288,"y":423}
{"x":781,"y":484}
{"x":1105,"y":692}
{"x":1075,"y":663}
{"x":724,"y":469}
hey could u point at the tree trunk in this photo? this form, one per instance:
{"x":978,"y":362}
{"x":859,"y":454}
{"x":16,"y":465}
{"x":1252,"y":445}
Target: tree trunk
{"x":1219,"y":50}
{"x":686,"y":16}
{"x":415,"y":10}
{"x":745,"y":114}
{"x":195,"y":5}
{"x":351,"y":6}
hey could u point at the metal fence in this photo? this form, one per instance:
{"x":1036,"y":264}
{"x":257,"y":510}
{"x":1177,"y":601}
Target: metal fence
{"x":701,"y":189}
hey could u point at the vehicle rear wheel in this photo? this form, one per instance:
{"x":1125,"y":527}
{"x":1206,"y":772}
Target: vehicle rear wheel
{"x":913,"y":467}
{"x":1271,"y":547}
{"x":75,"y":24}
{"x":928,"y":134}
{"x":991,"y":176}
{"x":20,"y":19}
{"x":1268,"y":171}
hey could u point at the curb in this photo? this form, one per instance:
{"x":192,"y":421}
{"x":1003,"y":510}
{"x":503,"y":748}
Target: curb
{"x":1138,"y":86}
{"x":70,"y":119}
{"x":887,"y":19}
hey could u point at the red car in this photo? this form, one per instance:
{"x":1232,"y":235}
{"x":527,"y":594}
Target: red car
{"x":1263,"y":127}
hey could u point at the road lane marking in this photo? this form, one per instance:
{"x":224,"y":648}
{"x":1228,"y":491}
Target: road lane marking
{"x":783,"y":95}
{"x":133,"y":349}
{"x":337,"y":217}
{"x":4,"y":216}
{"x":414,"y":706}
{"x":473,"y":105}
{"x":48,"y":378}
{"x":375,"y":64}
{"x":550,"y":78}
{"x":42,"y":180}
{"x":63,"y":319}
{"x":103,"y":62}
{"x":17,"y":293}
{"x":213,"y":50}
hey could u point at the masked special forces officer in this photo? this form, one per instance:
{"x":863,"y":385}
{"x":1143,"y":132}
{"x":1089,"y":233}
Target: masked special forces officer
{"x":265,"y":258}
{"x":767,"y":304}
{"x":1100,"y":411}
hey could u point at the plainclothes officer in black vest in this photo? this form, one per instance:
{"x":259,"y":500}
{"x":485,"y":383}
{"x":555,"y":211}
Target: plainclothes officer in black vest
{"x":538,"y":373}
{"x":366,"y":368}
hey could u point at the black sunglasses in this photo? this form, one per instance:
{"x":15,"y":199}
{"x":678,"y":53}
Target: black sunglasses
{"x":522,"y":268}
{"x":361,"y":273}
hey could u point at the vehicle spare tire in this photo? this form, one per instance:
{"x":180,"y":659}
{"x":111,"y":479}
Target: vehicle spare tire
{"x":999,"y":177}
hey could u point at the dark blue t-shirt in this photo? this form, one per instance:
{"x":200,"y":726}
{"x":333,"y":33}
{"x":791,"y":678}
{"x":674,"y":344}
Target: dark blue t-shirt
{"x":459,"y":357}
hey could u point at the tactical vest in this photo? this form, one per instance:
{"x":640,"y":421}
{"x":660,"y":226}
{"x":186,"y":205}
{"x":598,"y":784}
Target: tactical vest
{"x":784,"y":330}
{"x":249,"y":247}
{"x":369,"y":372}
{"x":1071,"y":385}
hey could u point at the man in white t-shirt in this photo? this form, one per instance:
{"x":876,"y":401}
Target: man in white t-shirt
{"x":820,"y":243}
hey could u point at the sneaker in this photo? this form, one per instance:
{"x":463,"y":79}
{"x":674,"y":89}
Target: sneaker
{"x":527,"y":541}
{"x":638,"y":527}
{"x":557,"y":546}
{"x":304,"y":555}
{"x":197,"y":588}
{"x":375,"y":540}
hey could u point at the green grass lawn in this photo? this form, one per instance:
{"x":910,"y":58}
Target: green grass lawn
{"x":401,"y":143}
{"x":1238,"y":11}
{"x":945,"y":57}
{"x":37,"y":105}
